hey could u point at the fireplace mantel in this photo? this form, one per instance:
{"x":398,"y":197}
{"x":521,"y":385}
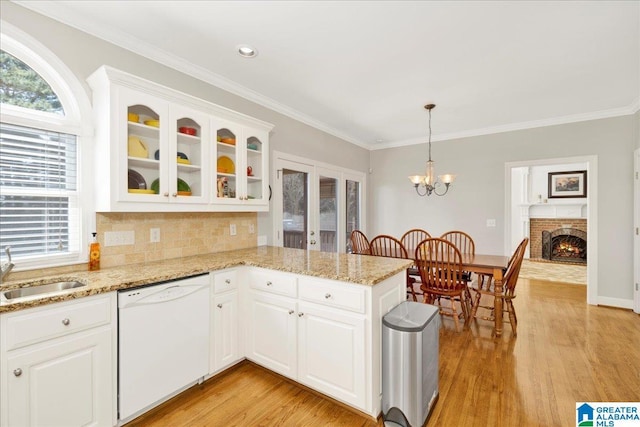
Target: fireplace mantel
{"x":554,"y":210}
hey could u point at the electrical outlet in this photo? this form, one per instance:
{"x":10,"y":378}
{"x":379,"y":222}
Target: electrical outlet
{"x":491,"y":223}
{"x":119,"y":238}
{"x":154,"y":235}
{"x":232,"y":229}
{"x":252,"y":229}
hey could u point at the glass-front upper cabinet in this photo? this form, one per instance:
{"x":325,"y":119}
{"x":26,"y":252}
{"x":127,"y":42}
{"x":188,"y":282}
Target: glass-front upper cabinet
{"x":160,"y":150}
{"x":165,"y":152}
{"x":241,"y":168}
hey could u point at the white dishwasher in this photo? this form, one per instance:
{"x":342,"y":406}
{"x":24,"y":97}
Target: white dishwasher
{"x":163,"y":342}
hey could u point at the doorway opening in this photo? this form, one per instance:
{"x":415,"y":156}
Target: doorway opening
{"x":522,"y":197}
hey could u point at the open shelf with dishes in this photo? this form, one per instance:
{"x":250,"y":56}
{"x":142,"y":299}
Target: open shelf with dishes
{"x":174,"y":150}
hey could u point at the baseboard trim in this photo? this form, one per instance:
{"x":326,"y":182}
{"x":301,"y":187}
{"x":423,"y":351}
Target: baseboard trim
{"x":615,"y":302}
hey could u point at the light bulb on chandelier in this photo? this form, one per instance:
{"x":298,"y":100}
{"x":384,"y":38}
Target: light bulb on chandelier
{"x":428,"y":182}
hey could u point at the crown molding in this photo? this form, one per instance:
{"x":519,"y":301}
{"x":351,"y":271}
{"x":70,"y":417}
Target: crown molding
{"x":633,"y":108}
{"x":67,"y":16}
{"x":60,"y":12}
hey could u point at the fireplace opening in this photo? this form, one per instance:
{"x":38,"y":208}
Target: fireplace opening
{"x":565,"y":245}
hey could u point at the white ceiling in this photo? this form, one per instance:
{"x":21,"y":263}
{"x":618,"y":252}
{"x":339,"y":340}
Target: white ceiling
{"x":363,"y":70}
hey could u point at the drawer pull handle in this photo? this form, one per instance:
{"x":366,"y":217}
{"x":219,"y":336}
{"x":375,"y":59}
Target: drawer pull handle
{"x":290,"y":311}
{"x":269,"y":283}
{"x":219,"y":306}
{"x":327,"y":296}
{"x":300,"y":314}
{"x":228,"y":281}
{"x":17,"y":372}
{"x":66,"y":322}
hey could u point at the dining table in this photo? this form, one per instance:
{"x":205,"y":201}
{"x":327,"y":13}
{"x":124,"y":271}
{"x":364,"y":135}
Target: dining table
{"x":493,"y":266}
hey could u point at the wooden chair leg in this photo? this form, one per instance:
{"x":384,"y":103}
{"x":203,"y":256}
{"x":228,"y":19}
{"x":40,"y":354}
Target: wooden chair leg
{"x":456,"y":321}
{"x":512,"y":317}
{"x":475,"y":304}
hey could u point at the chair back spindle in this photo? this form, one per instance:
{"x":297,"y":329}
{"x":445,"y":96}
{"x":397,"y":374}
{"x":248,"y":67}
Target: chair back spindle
{"x":359,"y":243}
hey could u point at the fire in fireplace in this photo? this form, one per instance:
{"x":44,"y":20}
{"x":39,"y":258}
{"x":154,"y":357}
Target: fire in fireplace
{"x":565,"y":244}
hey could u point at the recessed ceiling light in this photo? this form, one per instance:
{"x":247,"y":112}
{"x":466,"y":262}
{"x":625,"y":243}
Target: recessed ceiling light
{"x":379,"y":140}
{"x":247,"y":51}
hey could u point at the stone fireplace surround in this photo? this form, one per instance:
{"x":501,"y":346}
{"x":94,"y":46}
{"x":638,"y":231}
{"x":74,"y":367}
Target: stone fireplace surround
{"x":538,"y":225}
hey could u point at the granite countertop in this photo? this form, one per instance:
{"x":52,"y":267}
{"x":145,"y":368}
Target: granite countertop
{"x":361,"y":269}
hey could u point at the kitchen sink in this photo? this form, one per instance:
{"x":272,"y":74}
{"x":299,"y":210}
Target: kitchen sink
{"x":38,"y":291}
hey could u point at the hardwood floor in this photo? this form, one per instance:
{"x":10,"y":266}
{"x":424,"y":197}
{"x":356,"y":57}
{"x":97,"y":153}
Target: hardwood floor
{"x":565,"y":352}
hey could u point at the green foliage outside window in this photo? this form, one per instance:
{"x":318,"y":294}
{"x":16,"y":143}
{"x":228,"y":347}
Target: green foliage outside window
{"x":23,"y":87}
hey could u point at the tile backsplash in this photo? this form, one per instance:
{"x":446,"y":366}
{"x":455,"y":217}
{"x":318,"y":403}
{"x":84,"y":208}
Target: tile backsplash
{"x":181,"y":234}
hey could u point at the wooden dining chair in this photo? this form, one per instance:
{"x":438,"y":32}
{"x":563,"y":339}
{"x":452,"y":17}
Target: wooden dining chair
{"x":465,"y":245}
{"x":461,"y":240}
{"x":509,"y":282}
{"x":410,"y":240}
{"x":389,"y":246}
{"x":440,"y":265}
{"x":359,"y":243}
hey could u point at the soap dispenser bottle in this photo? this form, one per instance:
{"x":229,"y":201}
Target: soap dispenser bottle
{"x":94,"y":254}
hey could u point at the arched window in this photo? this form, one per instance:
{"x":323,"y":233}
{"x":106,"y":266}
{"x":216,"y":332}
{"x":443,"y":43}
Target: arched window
{"x":40,"y":164}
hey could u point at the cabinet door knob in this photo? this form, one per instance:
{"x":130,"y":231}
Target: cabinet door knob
{"x":166,"y":194}
{"x":219,"y":306}
{"x":300,"y":314}
{"x":269,"y":283}
{"x":327,"y":296}
{"x":17,"y":372}
{"x":66,"y":322}
{"x":290,"y":311}
{"x":228,"y":281}
{"x":175,"y":194}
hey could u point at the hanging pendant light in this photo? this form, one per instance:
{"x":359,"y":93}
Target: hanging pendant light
{"x":428,"y":183}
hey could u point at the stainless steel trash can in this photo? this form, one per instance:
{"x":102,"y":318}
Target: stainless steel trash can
{"x":410,"y":341}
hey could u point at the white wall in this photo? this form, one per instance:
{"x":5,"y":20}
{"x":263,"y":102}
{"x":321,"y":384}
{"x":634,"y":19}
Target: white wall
{"x":478,"y":192}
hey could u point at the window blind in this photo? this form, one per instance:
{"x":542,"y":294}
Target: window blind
{"x":38,"y":191}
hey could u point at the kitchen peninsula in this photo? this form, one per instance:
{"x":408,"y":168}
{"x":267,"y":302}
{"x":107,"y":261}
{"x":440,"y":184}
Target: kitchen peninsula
{"x":313,"y":317}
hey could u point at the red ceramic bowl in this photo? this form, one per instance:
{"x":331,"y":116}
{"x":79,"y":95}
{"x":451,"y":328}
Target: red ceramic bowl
{"x":187,"y":130}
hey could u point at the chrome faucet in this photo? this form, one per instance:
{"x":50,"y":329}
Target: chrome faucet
{"x":7,"y":266}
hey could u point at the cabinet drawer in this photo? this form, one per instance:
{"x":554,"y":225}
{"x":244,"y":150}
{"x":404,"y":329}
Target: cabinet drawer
{"x":225,"y":281}
{"x":274,"y":282}
{"x":56,"y":320}
{"x":332,"y":294}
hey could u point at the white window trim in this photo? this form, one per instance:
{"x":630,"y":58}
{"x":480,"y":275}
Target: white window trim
{"x":327,"y":169}
{"x":77,"y":120}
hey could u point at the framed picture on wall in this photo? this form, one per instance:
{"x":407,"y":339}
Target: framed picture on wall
{"x":567,"y":184}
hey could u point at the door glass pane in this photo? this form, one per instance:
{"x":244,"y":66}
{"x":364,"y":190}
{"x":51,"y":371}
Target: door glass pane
{"x":294,"y":204}
{"x":353,"y":210}
{"x":328,"y":214}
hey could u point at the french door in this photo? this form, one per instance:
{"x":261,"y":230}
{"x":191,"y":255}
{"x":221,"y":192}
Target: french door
{"x":315,"y":206}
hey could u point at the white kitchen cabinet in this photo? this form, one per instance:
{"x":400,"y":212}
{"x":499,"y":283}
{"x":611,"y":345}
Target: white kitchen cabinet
{"x":225,"y":322}
{"x":317,"y":343}
{"x":331,"y":352}
{"x":272,"y":332}
{"x":141,"y":138}
{"x":58,"y":364}
{"x":241,"y":157}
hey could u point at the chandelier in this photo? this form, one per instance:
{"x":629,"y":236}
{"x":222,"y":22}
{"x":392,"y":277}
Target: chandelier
{"x":428,"y":182}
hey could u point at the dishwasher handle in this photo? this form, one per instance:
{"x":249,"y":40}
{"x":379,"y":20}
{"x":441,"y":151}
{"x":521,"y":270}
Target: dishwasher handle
{"x":167,"y":294}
